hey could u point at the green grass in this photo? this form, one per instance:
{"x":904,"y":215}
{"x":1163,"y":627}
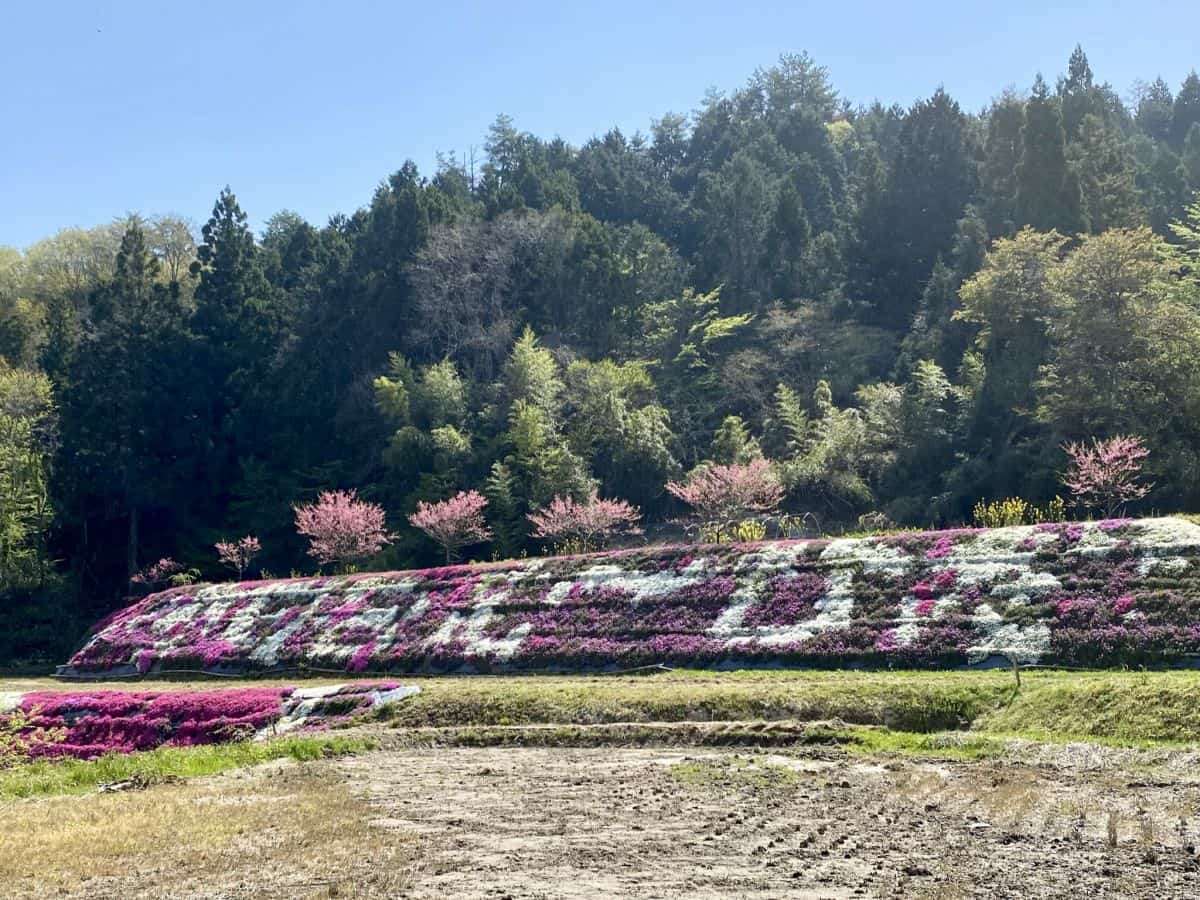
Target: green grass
{"x":911,"y":701}
{"x":957,"y":714}
{"x":73,"y":776}
{"x":1125,"y":708}
{"x":964,"y":745}
{"x":736,"y":771}
{"x":1128,"y":707}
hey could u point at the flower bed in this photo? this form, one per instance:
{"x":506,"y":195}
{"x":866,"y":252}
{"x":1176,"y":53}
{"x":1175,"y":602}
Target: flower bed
{"x":86,"y":725}
{"x":1109,"y":593}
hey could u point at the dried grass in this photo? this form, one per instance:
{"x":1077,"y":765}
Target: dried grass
{"x":294,"y":830}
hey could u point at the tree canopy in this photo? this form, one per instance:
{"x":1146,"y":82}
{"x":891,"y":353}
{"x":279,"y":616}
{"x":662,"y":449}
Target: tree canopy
{"x":903,"y":310}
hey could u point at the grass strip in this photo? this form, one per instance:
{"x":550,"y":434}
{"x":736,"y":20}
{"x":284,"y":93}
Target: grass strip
{"x":1124,"y":708}
{"x":72,"y":776}
{"x":924,"y":701}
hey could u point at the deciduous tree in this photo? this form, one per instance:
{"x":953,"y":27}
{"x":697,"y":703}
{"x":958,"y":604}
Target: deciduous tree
{"x":454,"y":523}
{"x":341,"y":528}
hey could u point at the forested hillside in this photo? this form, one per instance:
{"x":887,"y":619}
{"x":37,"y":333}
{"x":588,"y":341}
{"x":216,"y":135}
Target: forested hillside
{"x":906,"y":309}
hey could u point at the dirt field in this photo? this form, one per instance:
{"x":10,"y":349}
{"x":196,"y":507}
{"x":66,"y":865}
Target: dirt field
{"x":639,"y":822}
{"x":669,"y":823}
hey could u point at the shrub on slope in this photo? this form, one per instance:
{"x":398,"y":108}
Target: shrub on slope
{"x":1111,"y":592}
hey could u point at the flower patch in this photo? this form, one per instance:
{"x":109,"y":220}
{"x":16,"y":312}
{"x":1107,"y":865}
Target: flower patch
{"x":92,"y":723}
{"x":1107,"y":593}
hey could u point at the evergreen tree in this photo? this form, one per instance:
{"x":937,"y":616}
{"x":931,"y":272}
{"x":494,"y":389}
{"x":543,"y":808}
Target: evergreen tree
{"x":1155,"y":108}
{"x":1077,"y":94}
{"x":1107,"y":178}
{"x":1191,"y":156}
{"x":128,"y":413}
{"x":1002,"y":154}
{"x":931,"y":183}
{"x":736,"y":204}
{"x":787,"y":245}
{"x":1163,"y":181}
{"x":1186,"y":111}
{"x":1048,"y":194}
{"x":239,"y":322}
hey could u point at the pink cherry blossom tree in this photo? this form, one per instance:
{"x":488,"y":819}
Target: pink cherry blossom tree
{"x":341,"y":528}
{"x":584,"y":526}
{"x":238,"y":554}
{"x":723,"y":495}
{"x":454,"y":523}
{"x":1106,"y":474}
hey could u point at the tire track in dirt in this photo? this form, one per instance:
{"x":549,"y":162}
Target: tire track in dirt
{"x":660,"y":822}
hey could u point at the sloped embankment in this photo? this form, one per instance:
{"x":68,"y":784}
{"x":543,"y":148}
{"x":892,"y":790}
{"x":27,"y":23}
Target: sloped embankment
{"x":1115,"y":592}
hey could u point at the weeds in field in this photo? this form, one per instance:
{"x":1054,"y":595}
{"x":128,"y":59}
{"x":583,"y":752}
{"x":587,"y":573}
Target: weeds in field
{"x":735,"y":771}
{"x":21,"y":737}
{"x":72,"y":776}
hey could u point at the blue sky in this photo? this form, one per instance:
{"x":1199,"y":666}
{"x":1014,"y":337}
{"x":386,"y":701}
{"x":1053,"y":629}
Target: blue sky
{"x":110,"y":107}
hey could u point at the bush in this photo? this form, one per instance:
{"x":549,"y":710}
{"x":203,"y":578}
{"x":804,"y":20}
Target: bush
{"x":38,"y":627}
{"x":1016,"y":511}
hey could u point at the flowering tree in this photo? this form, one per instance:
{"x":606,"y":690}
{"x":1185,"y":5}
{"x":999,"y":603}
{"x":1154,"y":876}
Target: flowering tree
{"x":158,"y":574}
{"x":1105,"y":475}
{"x":341,"y":528}
{"x":454,"y":523}
{"x":721,"y":495}
{"x":237,"y":554}
{"x":584,"y":526}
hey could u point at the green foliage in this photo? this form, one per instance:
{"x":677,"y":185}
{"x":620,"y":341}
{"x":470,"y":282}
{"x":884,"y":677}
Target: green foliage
{"x":1048,"y":193}
{"x":909,"y":701}
{"x":733,"y":443}
{"x":851,"y":291}
{"x":831,"y":465}
{"x":1017,"y":511}
{"x":1122,"y":343}
{"x":28,"y":426}
{"x":47,"y":778}
{"x":531,"y":375}
{"x":946,"y":714}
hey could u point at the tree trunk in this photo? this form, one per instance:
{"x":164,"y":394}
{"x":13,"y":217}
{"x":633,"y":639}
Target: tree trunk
{"x":131,"y":551}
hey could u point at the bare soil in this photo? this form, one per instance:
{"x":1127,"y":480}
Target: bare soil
{"x":561,"y":787}
{"x":638,"y":822}
{"x":532,"y":822}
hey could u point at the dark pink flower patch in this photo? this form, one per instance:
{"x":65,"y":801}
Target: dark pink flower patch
{"x":925,"y":607}
{"x":941,"y":548}
{"x":99,"y":722}
{"x":789,"y":599}
{"x":945,"y":580}
{"x":886,"y":642}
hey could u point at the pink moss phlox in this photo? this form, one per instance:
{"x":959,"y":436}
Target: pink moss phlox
{"x":100,"y":722}
{"x":685,"y":606}
{"x":886,"y":642}
{"x":941,"y":548}
{"x":925,"y":607}
{"x":361,"y":658}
